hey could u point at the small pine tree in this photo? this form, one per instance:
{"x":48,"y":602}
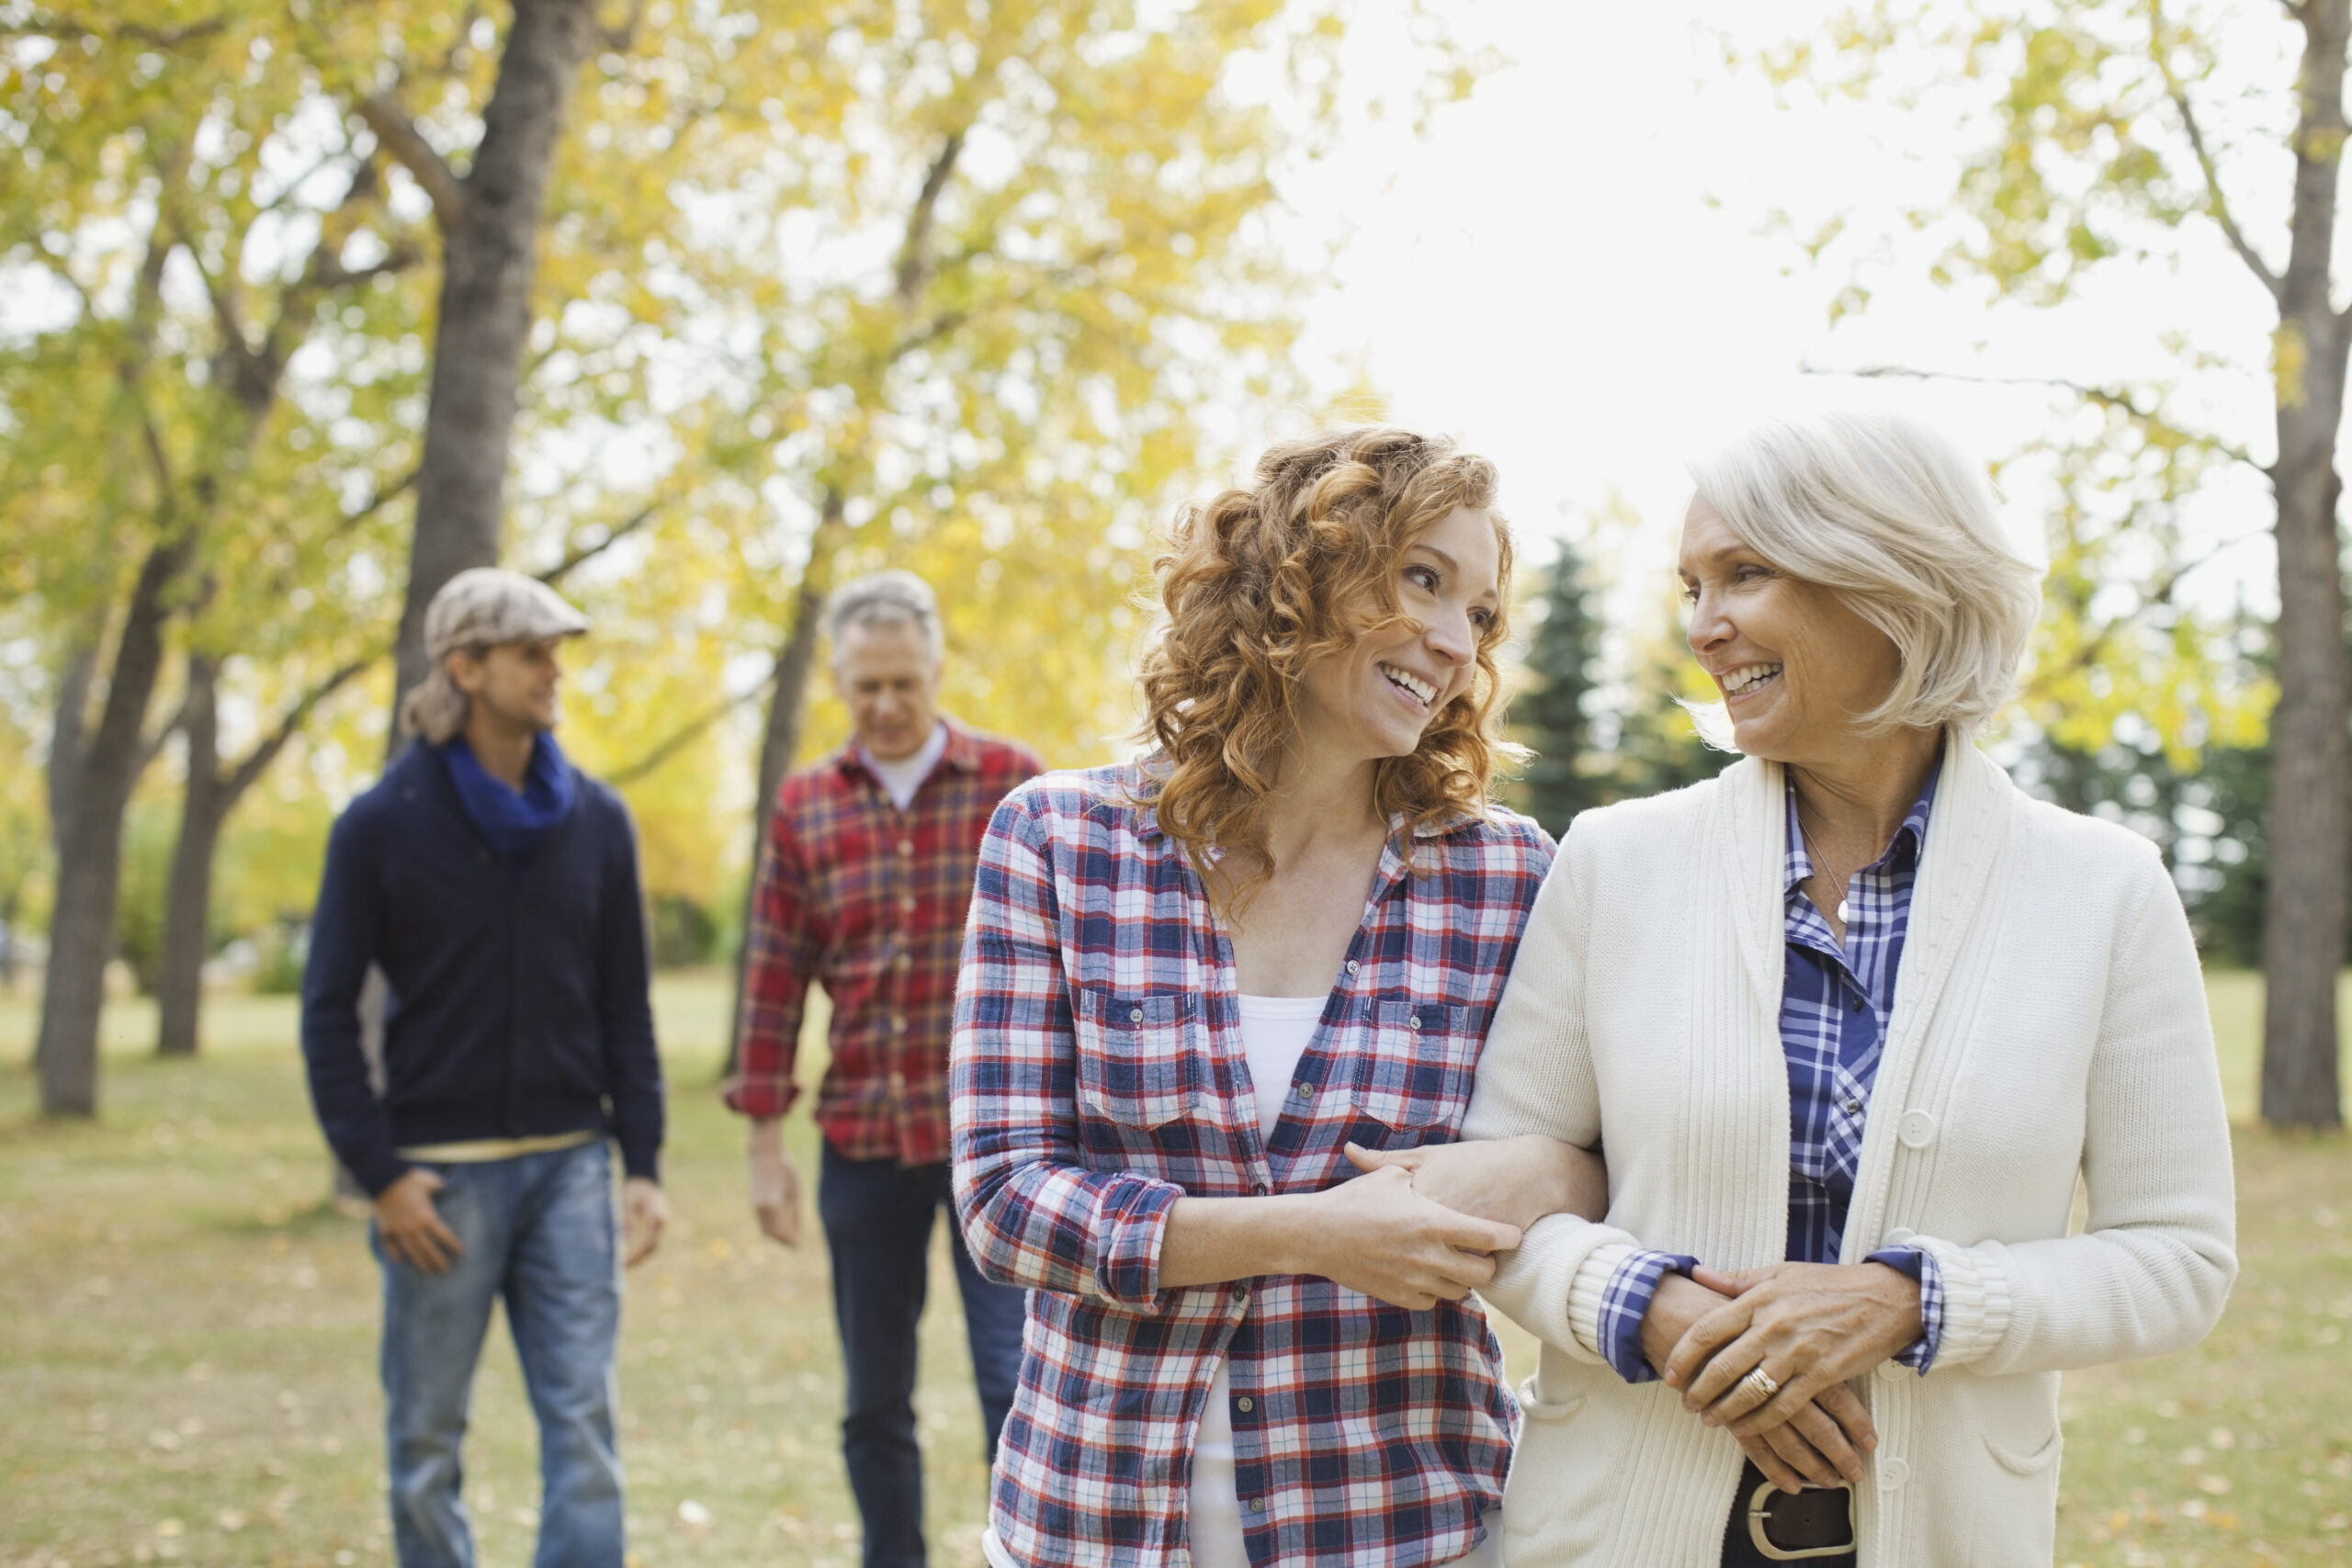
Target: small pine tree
{"x":1550,"y":714}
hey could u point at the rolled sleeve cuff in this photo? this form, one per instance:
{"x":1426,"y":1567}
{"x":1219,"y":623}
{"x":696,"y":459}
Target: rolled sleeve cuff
{"x":1919,"y":1265}
{"x":760,"y":1099}
{"x":1973,"y":1301}
{"x":1610,"y":1298}
{"x":1134,"y":1212}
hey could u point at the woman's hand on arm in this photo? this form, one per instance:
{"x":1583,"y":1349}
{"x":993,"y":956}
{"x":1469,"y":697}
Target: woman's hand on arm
{"x":1515,"y":1181}
{"x":1809,"y":1325}
{"x":1374,"y":1233}
{"x":1818,"y":1443}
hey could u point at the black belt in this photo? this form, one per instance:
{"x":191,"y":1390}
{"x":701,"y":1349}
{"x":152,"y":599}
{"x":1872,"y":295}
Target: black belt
{"x":1768,"y":1525}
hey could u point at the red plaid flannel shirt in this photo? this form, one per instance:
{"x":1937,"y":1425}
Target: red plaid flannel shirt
{"x":869,"y":901}
{"x":1098,"y":1076}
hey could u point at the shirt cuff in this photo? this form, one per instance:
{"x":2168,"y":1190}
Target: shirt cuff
{"x":1922,"y":1266}
{"x":762,"y":1098}
{"x":1625,"y":1301}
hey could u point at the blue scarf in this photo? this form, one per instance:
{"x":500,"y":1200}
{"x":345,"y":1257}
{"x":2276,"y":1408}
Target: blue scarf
{"x":515,"y":825}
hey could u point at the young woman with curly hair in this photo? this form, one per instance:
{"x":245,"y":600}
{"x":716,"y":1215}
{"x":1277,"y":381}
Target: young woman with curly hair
{"x":1200,"y":989}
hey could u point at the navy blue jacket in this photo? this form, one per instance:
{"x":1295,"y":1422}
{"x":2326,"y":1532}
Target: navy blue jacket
{"x":519,"y":1002}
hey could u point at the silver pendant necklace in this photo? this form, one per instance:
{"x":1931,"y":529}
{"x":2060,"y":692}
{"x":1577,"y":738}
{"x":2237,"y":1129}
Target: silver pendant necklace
{"x":1821,"y":869}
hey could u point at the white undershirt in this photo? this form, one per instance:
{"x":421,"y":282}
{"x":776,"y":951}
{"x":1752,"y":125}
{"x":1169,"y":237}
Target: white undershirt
{"x":902,"y":778}
{"x":1274,"y":1034}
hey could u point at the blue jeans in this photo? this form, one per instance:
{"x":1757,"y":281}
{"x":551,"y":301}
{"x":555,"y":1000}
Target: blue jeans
{"x":878,"y":1216}
{"x":538,"y":1232}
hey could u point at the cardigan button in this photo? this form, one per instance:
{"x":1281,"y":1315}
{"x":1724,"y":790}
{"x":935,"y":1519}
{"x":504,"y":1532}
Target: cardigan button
{"x":1891,"y":1473}
{"x":1897,"y":1235}
{"x":1917,"y":1129}
{"x":1892,"y":1371}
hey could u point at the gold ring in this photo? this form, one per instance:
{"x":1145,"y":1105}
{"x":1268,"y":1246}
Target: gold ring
{"x":1761,"y":1381}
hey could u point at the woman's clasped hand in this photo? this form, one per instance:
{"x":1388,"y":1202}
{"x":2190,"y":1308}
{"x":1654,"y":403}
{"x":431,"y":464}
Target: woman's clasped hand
{"x":1378,"y":1235}
{"x":1808,"y":1327}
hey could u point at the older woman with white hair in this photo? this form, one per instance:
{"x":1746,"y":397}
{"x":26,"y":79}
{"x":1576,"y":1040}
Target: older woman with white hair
{"x":1853,"y":1019}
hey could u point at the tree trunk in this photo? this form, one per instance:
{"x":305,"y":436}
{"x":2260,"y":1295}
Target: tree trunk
{"x":187,"y":903}
{"x":787,"y":713}
{"x":2303,"y":926}
{"x":89,"y":859}
{"x":489,"y":263}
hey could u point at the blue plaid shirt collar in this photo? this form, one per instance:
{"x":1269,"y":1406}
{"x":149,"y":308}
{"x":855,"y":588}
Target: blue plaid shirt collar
{"x":1902,"y":853}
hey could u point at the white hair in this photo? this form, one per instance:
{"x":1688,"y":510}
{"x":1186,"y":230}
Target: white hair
{"x":1887,"y":514}
{"x":886,"y":598}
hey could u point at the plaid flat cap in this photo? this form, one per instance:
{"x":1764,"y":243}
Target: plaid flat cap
{"x":488,"y":605}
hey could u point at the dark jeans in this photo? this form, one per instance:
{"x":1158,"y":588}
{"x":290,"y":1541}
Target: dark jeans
{"x":878,"y":1216}
{"x":538,"y":1236}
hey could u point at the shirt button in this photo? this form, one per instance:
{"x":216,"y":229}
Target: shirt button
{"x":1850,"y":1107}
{"x":906,"y":846}
{"x":907,"y":905}
{"x":898,"y":1023}
{"x":1241,"y":1300}
{"x":1258,"y":1190}
{"x":1858,"y":1004}
{"x":1135,"y":1015}
{"x":1353,"y":966}
{"x":1245,"y":1405}
{"x":1257,"y":1504}
{"x":1306,"y":1090}
{"x":904,"y":961}
{"x":1413,"y":1022}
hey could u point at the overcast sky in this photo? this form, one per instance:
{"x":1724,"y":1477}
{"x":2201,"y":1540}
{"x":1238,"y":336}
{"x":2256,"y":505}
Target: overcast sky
{"x":1579,"y":272}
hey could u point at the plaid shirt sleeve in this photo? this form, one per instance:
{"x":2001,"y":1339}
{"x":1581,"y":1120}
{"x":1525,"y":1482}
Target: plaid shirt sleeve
{"x":1922,"y":1266}
{"x":785,"y":943}
{"x":1626,"y":1302}
{"x":1033,"y":1213}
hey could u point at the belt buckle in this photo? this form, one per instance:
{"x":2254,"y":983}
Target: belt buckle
{"x":1759,"y":1506}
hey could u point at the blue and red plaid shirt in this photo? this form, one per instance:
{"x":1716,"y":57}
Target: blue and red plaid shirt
{"x":1098,"y":1076}
{"x":869,"y":900}
{"x":1834,"y":1006}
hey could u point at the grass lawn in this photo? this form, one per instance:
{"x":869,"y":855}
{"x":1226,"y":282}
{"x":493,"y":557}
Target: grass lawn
{"x":188,"y":1342}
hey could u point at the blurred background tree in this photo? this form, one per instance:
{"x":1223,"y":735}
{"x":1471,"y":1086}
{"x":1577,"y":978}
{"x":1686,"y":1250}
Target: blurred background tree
{"x":2110,"y":136}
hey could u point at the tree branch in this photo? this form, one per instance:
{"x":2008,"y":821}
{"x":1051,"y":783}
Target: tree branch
{"x":912,"y":264}
{"x":256,"y":762}
{"x":580,"y":555}
{"x":2215,"y":201}
{"x":685,"y":736}
{"x":69,"y":28}
{"x":154,"y":744}
{"x":399,"y":136}
{"x":2103,"y":397}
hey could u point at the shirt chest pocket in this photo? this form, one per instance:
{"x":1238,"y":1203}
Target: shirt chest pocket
{"x":1138,"y":1054}
{"x":1416,"y":1063}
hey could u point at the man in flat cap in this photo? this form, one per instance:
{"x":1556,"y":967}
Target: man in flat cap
{"x":496,"y":886}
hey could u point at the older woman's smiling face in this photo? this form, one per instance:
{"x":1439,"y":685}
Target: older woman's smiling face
{"x":1796,"y":666}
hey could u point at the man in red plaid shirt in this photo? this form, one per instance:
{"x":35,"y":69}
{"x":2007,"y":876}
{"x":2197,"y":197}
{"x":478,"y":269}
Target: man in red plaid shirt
{"x":863,"y":883}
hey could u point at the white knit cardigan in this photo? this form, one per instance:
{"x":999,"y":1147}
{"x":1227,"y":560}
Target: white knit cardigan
{"x":2049,"y":1023}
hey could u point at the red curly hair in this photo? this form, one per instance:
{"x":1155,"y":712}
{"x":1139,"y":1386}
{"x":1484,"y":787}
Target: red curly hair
{"x":1260,"y":581}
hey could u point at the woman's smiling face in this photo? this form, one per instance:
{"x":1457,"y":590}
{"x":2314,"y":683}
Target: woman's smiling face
{"x":1797,"y":668}
{"x":1375,"y":697}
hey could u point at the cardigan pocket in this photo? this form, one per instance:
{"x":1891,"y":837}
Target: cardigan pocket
{"x":1415,"y":1067}
{"x":2032,"y":1463}
{"x":1536,"y":1407}
{"x":1137,"y":1061}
